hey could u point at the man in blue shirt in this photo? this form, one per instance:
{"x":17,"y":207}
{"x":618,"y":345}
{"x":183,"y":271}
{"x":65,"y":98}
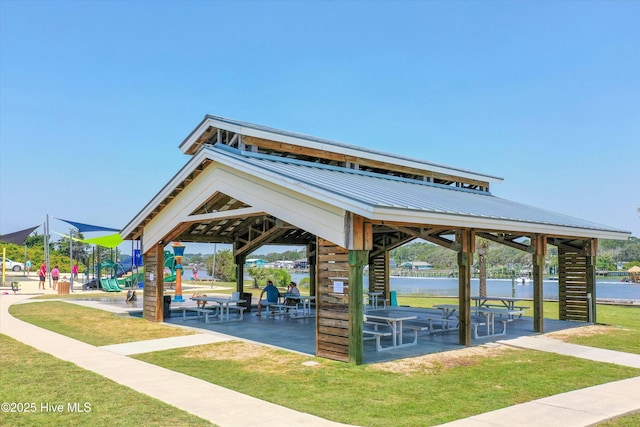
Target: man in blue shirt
{"x":272,"y":296}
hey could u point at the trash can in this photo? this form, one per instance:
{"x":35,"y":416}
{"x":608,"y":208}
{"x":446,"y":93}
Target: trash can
{"x":394,"y":299}
{"x":63,"y":287}
{"x":166,"y":310}
{"x":247,"y":297}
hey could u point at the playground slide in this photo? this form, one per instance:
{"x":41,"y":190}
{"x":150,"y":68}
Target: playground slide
{"x":108,"y":286}
{"x":170,"y":278}
{"x":114,"y":285}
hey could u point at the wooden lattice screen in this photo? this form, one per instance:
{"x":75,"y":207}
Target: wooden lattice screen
{"x":332,"y":308}
{"x":378,"y":274}
{"x":573,"y":285}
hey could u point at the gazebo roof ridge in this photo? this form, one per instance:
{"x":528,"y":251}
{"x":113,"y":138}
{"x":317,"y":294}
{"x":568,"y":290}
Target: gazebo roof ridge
{"x":268,"y":157}
{"x":204,"y":132}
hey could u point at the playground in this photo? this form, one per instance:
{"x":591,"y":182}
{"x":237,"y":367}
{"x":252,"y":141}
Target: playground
{"x":114,"y":277}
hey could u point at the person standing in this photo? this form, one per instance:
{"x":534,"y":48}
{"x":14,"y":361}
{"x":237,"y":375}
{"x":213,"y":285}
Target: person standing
{"x":194,"y":272}
{"x":55,"y":275}
{"x":28,"y":266}
{"x":42,"y":273}
{"x":74,"y":271}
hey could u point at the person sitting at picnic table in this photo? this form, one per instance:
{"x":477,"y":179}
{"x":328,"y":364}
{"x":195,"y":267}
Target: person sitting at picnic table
{"x":272,"y":296}
{"x":293,"y":291}
{"x":199,"y":304}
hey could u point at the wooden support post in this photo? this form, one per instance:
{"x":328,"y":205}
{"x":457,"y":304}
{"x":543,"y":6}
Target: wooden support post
{"x":159,"y":282}
{"x":465,"y":241}
{"x":592,"y":252}
{"x":539,"y":243}
{"x":240,"y":260}
{"x":312,"y":263}
{"x":357,"y":261}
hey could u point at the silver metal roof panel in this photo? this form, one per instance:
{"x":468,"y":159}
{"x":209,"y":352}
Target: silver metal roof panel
{"x":383,"y":191}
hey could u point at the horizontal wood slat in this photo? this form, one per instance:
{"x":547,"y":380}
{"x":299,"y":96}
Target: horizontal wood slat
{"x":572,"y":286}
{"x":332,"y":324}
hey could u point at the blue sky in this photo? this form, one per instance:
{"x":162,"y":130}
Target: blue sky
{"x":95,"y":96}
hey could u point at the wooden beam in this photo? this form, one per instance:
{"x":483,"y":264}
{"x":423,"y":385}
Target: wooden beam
{"x":228,"y":214}
{"x":507,"y":241}
{"x":360,"y":161}
{"x":428,"y":234}
{"x":264,"y":237}
{"x":359,"y":232}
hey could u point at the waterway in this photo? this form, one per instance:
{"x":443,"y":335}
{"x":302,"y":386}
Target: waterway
{"x":607,"y":289}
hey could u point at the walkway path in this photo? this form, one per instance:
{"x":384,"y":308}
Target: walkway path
{"x":228,"y":408}
{"x":577,"y":408}
{"x":214,"y":403}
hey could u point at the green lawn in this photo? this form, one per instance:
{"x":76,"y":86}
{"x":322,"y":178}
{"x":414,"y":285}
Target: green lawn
{"x":423,"y":391}
{"x":37,"y":383}
{"x":418,"y":391}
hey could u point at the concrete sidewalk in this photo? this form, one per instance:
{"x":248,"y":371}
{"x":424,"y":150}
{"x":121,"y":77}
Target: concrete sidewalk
{"x":219,"y":405}
{"x":228,"y":408}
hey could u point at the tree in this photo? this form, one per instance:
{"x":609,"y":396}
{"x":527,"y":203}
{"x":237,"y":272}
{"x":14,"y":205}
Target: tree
{"x":261,"y":275}
{"x":258,"y":274}
{"x":225,"y":266}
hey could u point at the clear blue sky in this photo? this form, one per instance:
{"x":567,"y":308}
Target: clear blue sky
{"x":95,"y":96}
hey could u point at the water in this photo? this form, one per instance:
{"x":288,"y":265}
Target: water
{"x":605,"y":289}
{"x":438,"y":286}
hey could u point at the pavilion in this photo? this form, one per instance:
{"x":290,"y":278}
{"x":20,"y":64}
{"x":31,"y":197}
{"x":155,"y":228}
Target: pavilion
{"x":250,"y":185}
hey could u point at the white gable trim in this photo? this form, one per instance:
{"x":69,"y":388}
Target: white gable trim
{"x":304,"y":212}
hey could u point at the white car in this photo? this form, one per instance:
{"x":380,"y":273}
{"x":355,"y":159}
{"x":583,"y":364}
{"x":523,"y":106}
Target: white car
{"x":12,"y":265}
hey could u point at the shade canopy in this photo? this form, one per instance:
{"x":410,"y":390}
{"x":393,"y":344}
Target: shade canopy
{"x":85,"y":228}
{"x":18,"y":237}
{"x":108,"y":241}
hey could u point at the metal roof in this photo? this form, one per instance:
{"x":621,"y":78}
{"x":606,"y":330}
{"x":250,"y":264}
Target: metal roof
{"x":397,"y":194}
{"x":251,"y":129}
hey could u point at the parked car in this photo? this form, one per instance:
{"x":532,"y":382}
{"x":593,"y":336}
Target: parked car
{"x":12,"y":265}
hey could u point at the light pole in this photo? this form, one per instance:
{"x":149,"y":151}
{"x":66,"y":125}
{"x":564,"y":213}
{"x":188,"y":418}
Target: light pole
{"x":71,"y":230}
{"x":178,"y":252}
{"x":213,"y":268}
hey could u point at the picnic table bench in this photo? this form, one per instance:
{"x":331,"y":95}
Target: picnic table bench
{"x":278,"y":309}
{"x":372,"y":330}
{"x":432,"y":324}
{"x":200,"y":312}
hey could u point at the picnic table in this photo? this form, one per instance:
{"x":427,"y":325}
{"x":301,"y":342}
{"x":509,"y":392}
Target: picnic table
{"x":487,"y":317}
{"x":304,"y":301}
{"x":501,"y":302}
{"x":375,"y":300}
{"x":394,"y":320}
{"x":221,"y":310}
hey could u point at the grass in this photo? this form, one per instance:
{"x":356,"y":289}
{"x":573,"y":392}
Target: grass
{"x":95,"y":327}
{"x":423,"y":391}
{"x":418,"y":391}
{"x":33,"y":379}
